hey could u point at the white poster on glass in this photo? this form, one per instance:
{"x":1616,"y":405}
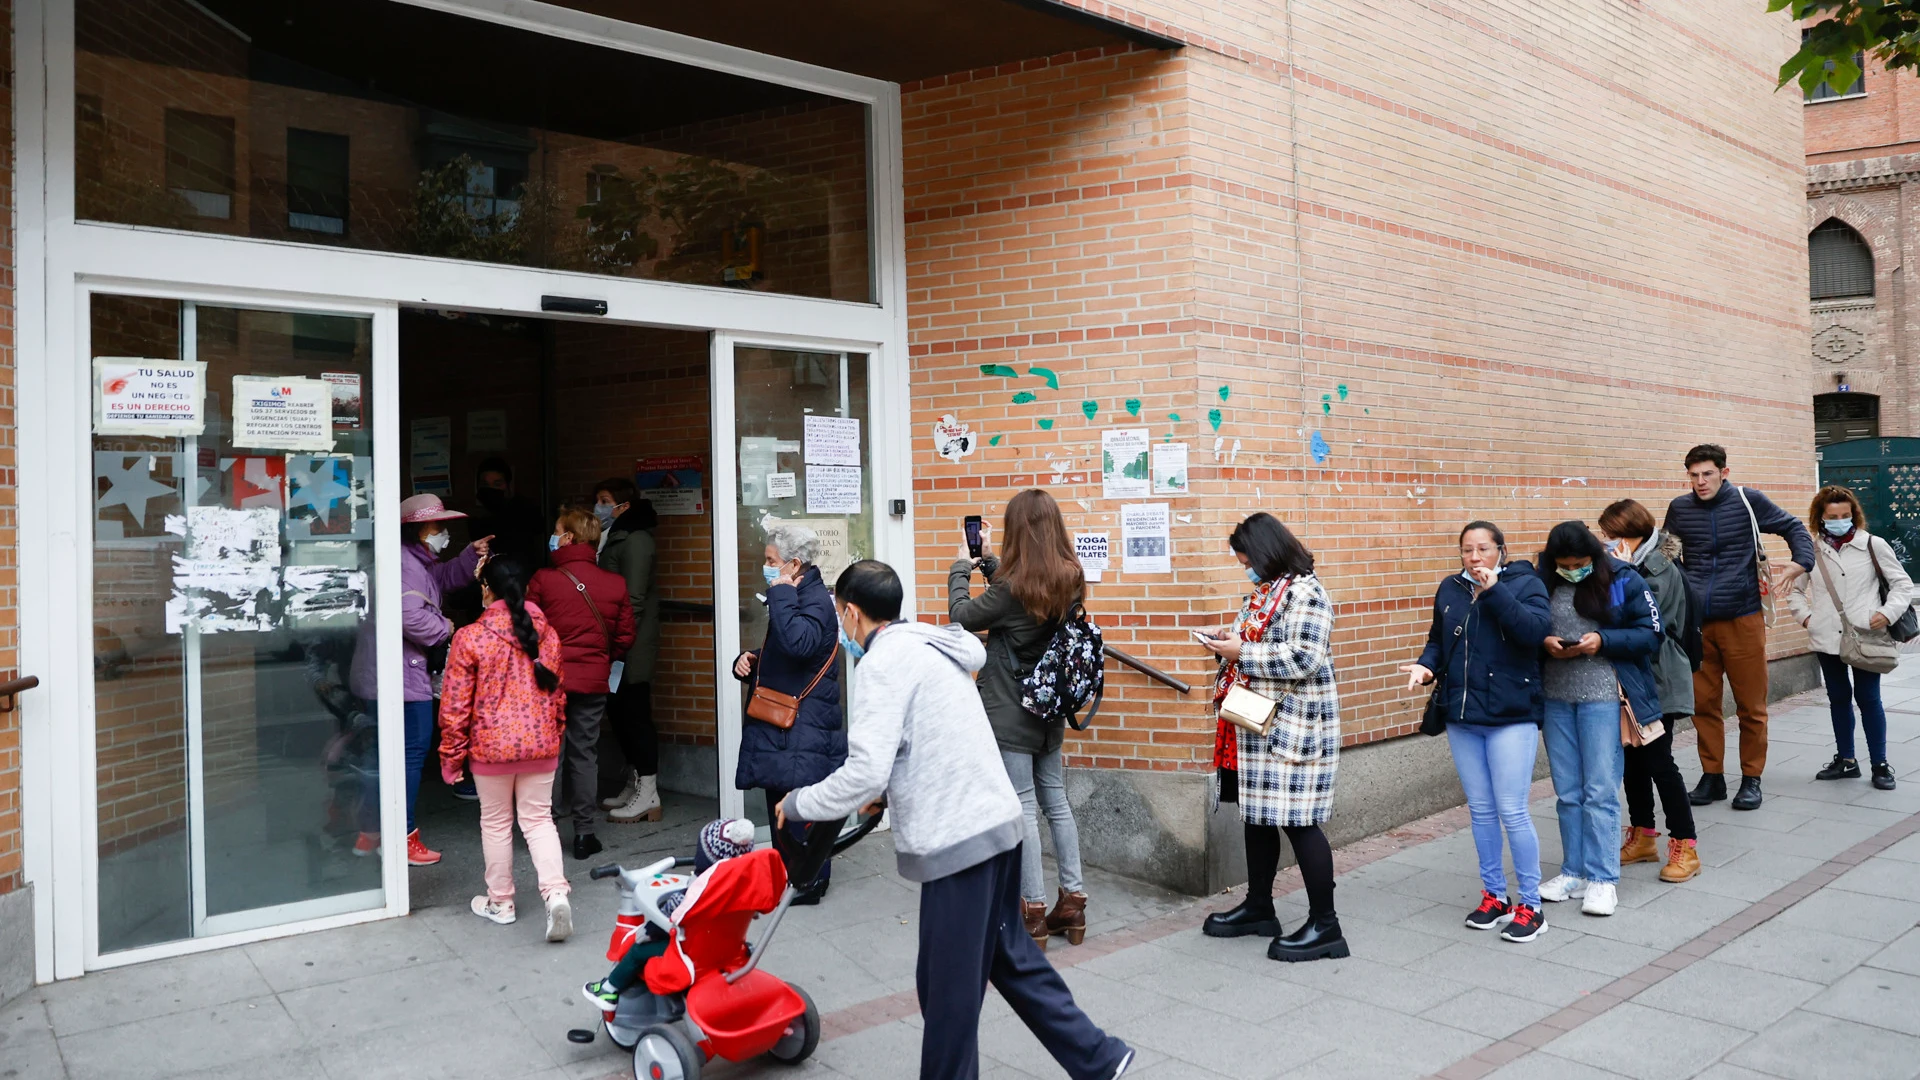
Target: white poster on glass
{"x":833,"y":489}
{"x":275,"y":413}
{"x":832,"y":440}
{"x":132,"y":396}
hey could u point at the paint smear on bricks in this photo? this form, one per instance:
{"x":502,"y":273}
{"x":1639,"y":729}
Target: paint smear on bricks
{"x":1317,"y":446}
{"x":1213,"y":417}
{"x":1001,"y":370}
{"x":1023,"y":397}
{"x":1053,"y":381}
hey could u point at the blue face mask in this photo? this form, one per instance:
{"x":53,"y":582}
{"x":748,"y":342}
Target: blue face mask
{"x":854,"y":649}
{"x":553,"y":543}
{"x":1575,"y":576}
{"x":604,"y":512}
{"x":770,"y":573}
{"x":1253,"y":575}
{"x":1837,"y":526}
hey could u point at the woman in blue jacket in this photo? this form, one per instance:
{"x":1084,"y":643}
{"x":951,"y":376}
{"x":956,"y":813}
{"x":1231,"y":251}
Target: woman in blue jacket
{"x":1604,"y":634}
{"x":1483,"y":661}
{"x":802,"y":651}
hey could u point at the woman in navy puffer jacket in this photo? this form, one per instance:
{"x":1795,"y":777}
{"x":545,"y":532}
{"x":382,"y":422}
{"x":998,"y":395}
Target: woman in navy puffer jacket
{"x":1483,"y":661}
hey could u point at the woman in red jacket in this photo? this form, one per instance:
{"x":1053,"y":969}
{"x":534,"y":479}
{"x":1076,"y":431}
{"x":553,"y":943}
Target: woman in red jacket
{"x":501,"y":716}
{"x":590,"y":610}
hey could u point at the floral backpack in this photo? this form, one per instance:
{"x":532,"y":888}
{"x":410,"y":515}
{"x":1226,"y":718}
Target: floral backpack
{"x":1071,"y":674}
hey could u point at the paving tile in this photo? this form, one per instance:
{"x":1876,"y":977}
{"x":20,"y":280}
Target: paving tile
{"x":1887,"y":999}
{"x":1382,"y":985}
{"x":1737,"y":884}
{"x":887,"y":1052}
{"x":1224,"y":1044}
{"x":414,"y":994}
{"x":1231,"y":989}
{"x":489,"y":1043}
{"x":346,"y":953}
{"x":27,"y":1047}
{"x":193,"y":1042}
{"x":1796,"y":951}
{"x":1390,"y":944}
{"x":1111,"y":1001}
{"x":1851,"y":914}
{"x":1383,"y":905}
{"x":1512,"y":971}
{"x":1349,"y":1064}
{"x":1907,"y":850}
{"x":1882,"y":877}
{"x":1496,"y":1019}
{"x":1724,"y":1071}
{"x":139,"y":991}
{"x":1808,"y":1046}
{"x":549,"y":1015}
{"x":1619,"y":1041}
{"x":1902,"y":955}
{"x":1172,"y":1069}
{"x":1386,"y":1035}
{"x":1662,"y":924}
{"x":1541,"y":1065}
{"x":1706,"y":990}
{"x":1604,"y":955}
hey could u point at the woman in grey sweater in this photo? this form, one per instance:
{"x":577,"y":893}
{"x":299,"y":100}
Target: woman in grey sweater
{"x":1029,"y":595}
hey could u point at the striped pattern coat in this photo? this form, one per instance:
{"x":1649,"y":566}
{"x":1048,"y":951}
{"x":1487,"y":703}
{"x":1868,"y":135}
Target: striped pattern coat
{"x":1287,"y":777}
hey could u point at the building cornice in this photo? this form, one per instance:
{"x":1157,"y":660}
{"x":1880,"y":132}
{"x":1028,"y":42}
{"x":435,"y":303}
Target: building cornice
{"x":1832,"y":176}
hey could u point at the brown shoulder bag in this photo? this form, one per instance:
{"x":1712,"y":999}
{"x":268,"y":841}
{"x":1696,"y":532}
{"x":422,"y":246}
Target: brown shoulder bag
{"x":781,"y":710}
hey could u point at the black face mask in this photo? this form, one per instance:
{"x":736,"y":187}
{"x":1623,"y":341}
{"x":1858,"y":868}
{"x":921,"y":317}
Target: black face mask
{"x":492,"y":498}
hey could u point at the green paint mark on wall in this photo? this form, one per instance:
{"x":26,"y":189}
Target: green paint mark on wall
{"x":1133,"y":406}
{"x":995,"y":441}
{"x":1053,"y":381}
{"x":1326,"y":403}
{"x":999,"y":369}
{"x":1174,"y":416}
{"x":1045,"y":425}
{"x":1023,"y":397}
{"x":1090,"y":408}
{"x":1226,"y":392}
{"x":1342,"y":388}
{"x":1213,"y":417}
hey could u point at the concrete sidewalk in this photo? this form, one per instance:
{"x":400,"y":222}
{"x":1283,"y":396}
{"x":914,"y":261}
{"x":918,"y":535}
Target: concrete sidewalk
{"x":1794,"y":954}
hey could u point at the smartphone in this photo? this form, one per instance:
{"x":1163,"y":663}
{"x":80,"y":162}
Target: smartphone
{"x":972,"y":524}
{"x":1203,"y":637}
{"x":1569,"y":643}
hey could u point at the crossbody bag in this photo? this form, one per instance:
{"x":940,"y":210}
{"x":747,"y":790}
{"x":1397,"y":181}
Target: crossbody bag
{"x":616,"y":666}
{"x":1907,"y":626}
{"x":1762,"y":566}
{"x":1866,"y":650}
{"x":773,"y":707}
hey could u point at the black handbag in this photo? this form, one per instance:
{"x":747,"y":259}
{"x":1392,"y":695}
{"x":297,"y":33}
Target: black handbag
{"x":1434,"y":720}
{"x":1907,"y":627}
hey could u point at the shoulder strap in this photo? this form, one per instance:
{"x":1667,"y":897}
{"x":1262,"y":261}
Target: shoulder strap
{"x":1751,"y":520}
{"x":824,"y":668}
{"x":1827,"y":580}
{"x":591,"y":606}
{"x":1885,"y":585}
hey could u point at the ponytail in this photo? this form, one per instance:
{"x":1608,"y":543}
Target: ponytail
{"x":503,"y":578}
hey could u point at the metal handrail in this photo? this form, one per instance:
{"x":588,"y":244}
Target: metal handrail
{"x":1149,"y":671}
{"x":14,"y":686}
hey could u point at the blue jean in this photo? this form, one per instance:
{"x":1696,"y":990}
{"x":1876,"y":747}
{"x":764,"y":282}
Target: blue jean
{"x":1041,"y":784}
{"x":1586,"y":758}
{"x":1865,"y":689}
{"x":1496,"y":771}
{"x":419,"y":727}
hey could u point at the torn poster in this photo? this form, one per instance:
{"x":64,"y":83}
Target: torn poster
{"x":1146,"y":538}
{"x":1170,"y":468}
{"x":272,"y":412}
{"x":836,"y":546}
{"x":1124,"y":470}
{"x":221,"y":597}
{"x":258,"y":480}
{"x":324,"y":595}
{"x":242,"y":537}
{"x":952,"y":439}
{"x":133,"y":396}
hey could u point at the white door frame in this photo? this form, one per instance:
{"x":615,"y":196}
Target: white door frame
{"x":61,"y":260}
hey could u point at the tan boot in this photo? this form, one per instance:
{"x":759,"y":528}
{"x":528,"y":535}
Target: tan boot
{"x":1683,"y":862}
{"x":1639,"y":846}
{"x":1069,"y":917}
{"x":1035,"y":914}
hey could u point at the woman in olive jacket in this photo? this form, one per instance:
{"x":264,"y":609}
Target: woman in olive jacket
{"x":1030,"y":593}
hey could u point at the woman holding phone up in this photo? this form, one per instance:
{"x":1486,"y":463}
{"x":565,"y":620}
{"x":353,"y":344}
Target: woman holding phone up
{"x":1280,"y":648}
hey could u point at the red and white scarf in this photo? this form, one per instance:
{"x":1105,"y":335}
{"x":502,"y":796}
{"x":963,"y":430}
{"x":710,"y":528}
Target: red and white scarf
{"x":1252,"y":626}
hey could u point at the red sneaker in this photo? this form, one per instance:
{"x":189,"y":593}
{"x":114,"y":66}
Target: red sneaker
{"x":368,"y":843}
{"x":418,"y":854}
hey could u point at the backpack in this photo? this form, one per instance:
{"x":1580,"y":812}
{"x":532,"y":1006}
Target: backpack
{"x":1069,"y":675}
{"x":1688,"y":634}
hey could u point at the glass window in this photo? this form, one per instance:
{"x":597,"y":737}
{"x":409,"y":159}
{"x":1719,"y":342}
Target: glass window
{"x":238,"y":776}
{"x":453,"y":137}
{"x":1839,"y":262}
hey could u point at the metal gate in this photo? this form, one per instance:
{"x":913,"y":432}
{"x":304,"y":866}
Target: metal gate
{"x":1885,"y":474}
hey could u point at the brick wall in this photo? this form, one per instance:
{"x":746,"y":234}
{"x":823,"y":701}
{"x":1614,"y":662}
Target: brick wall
{"x":1514,"y":277}
{"x":1886,"y":121}
{"x":11,"y":868}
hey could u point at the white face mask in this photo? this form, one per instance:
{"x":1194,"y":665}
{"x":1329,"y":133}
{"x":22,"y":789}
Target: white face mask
{"x":438,"y":542}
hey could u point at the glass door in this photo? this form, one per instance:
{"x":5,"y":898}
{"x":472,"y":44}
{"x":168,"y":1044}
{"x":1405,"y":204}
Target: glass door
{"x":802,"y":447}
{"x":237,"y":756}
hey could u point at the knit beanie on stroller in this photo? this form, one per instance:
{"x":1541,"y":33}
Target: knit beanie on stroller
{"x":722,"y":839}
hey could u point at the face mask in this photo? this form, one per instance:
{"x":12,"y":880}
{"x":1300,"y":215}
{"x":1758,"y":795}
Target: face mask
{"x":553,"y":543}
{"x":1575,"y":576}
{"x":603,"y":512}
{"x":854,"y":649}
{"x":1837,"y":526}
{"x":1614,"y":546}
{"x":1253,"y":575}
{"x":438,"y":542}
{"x":770,"y":573}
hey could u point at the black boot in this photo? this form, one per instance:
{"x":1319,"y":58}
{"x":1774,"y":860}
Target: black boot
{"x":1251,"y":917}
{"x":586,"y":845}
{"x":1317,"y":939}
{"x":1749,"y":796}
{"x":1840,"y":768}
{"x":813,"y":893}
{"x":1711,"y":788}
{"x":1883,"y":776}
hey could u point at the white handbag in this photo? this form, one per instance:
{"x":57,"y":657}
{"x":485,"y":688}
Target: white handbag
{"x":1249,"y":710}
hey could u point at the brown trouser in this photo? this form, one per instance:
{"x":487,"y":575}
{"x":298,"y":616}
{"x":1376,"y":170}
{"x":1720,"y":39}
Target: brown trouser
{"x":1736,"y":648}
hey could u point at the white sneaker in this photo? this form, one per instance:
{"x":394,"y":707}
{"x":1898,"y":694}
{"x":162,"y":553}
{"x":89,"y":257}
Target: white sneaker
{"x":492,"y":911}
{"x":1601,"y":899}
{"x":643,"y":806}
{"x":1563,"y":887}
{"x":1124,"y":1062}
{"x":559,"y":919}
{"x":626,"y":793}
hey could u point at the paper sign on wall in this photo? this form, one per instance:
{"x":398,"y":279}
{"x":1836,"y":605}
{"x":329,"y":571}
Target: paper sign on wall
{"x":132,"y":396}
{"x":952,"y":439}
{"x":347,"y":411}
{"x":676,"y":486}
{"x":836,"y":545}
{"x":1146,"y":538}
{"x":486,"y":430}
{"x":760,"y":460}
{"x":832,"y":440}
{"x":1092,"y":550}
{"x":430,"y":457}
{"x":1124,"y":472}
{"x":833,"y":489}
{"x":270,"y":412}
{"x":1170,"y":468}
{"x":782,"y":485}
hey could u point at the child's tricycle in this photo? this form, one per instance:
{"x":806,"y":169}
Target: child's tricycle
{"x":704,"y":996}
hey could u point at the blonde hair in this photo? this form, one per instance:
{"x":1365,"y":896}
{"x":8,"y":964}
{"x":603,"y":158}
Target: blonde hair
{"x":582,"y":524}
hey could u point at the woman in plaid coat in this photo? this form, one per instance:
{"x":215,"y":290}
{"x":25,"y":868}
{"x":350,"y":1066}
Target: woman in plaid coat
{"x":1281,"y":648}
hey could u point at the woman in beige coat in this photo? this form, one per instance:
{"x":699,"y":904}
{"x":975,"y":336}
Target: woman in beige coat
{"x":1875,"y":591}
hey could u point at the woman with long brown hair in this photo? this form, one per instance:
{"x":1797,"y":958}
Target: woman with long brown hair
{"x":1032,"y":588}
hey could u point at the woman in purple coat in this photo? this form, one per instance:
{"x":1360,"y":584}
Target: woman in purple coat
{"x":423,"y":626}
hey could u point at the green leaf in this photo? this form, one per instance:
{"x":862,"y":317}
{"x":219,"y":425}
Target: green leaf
{"x":1089,"y":407}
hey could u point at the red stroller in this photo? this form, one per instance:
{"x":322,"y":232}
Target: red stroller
{"x":705,"y":997}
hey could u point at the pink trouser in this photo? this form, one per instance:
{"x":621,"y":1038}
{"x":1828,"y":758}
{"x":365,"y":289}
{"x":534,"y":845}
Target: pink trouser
{"x":532,"y":793}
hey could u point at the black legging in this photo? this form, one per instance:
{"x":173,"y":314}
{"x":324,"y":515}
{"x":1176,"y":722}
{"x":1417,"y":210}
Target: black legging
{"x":630,"y":711}
{"x":1649,"y":767}
{"x":1310,"y":850}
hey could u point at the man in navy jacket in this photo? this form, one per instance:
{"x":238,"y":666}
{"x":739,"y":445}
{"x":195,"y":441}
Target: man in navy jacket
{"x":1719,"y":522}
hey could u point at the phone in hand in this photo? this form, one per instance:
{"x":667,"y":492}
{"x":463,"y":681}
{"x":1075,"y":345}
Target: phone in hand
{"x":1569,"y":643}
{"x":972,"y":524}
{"x":1203,"y":637}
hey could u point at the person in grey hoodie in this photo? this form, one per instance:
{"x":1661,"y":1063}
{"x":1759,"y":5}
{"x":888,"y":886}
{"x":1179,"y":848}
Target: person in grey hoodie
{"x":919,"y":738}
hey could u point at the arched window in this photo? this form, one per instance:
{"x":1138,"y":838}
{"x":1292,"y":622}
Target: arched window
{"x":1840,"y":263}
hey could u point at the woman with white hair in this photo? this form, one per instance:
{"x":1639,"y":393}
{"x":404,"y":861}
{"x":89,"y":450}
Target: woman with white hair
{"x":799,"y":662}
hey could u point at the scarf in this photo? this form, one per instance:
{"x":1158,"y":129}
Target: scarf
{"x":1255,"y":618}
{"x":1839,"y":542}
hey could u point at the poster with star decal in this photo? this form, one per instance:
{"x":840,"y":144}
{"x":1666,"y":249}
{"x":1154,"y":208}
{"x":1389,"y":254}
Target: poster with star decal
{"x":329,"y":497}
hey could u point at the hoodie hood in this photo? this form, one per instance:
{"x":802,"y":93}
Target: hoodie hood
{"x":638,"y":518}
{"x":951,"y":641}
{"x":1658,"y":541}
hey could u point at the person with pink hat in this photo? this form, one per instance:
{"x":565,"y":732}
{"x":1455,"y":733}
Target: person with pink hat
{"x":424,"y":577}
